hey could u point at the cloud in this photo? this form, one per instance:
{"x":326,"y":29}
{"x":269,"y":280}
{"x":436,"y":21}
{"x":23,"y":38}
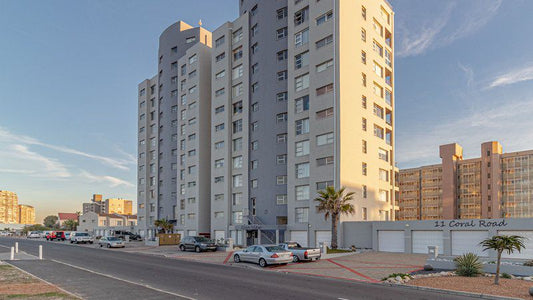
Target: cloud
{"x":514,"y":76}
{"x":469,"y":74}
{"x":47,"y":167}
{"x":418,"y":31}
{"x":110,"y":180}
{"x":503,"y":123}
{"x":8,"y":137}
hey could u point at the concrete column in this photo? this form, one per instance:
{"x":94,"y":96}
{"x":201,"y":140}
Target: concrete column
{"x":450,"y":154}
{"x":259,"y":236}
{"x":277,"y":236}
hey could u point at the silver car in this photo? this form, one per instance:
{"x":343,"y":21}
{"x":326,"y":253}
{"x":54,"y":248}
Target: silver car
{"x":111,"y":242}
{"x":263,"y":255}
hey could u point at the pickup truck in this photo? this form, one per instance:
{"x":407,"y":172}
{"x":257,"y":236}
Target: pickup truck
{"x":300,"y":253}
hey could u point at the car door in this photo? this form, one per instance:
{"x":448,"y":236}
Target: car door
{"x":247,"y":254}
{"x":258,"y":252}
{"x":189,"y":243}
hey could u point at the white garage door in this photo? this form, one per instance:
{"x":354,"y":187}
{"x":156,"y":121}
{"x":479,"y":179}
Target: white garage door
{"x":391,"y":241}
{"x":421,"y":239}
{"x":468,"y":241}
{"x":299,"y":236}
{"x":526,"y":253}
{"x":323,"y":236}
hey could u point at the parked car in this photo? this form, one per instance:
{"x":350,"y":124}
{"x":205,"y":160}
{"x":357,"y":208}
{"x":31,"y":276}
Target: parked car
{"x":56,"y":235}
{"x":122,"y":235}
{"x":300,"y":253}
{"x":264,"y":255}
{"x":67,"y":235}
{"x":111,"y":242}
{"x":197,"y":243}
{"x":81,"y":237}
{"x":34,"y":234}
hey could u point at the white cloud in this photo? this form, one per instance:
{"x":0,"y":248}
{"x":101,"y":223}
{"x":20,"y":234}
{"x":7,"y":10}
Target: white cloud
{"x":41,"y":165}
{"x":514,"y":76}
{"x":8,"y":137}
{"x":469,"y":74}
{"x":507,"y":124}
{"x":418,"y":31}
{"x":109,"y":180}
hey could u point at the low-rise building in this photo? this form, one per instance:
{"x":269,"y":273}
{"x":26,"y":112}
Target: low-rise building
{"x":104,"y":224}
{"x":495,"y":185}
{"x":117,"y":206}
{"x":62,"y":217}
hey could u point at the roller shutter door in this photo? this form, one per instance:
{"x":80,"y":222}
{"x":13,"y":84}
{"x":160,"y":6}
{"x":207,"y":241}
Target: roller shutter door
{"x":468,"y":241}
{"x":391,"y":241}
{"x":421,"y":239}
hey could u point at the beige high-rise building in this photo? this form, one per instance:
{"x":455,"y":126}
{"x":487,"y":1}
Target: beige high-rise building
{"x":26,"y":214}
{"x":117,"y":206}
{"x":301,"y":97}
{"x":496,"y":185}
{"x":9,"y":209}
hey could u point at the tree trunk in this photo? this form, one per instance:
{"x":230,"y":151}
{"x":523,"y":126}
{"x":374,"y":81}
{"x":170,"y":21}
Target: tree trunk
{"x":334,"y":220}
{"x":497,"y":278}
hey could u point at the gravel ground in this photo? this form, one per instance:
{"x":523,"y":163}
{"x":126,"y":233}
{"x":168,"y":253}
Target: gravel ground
{"x":481,"y":285}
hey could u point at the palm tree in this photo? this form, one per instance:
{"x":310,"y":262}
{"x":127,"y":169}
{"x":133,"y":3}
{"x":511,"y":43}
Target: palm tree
{"x":334,"y":203}
{"x":501,"y":243}
{"x":165,"y":225}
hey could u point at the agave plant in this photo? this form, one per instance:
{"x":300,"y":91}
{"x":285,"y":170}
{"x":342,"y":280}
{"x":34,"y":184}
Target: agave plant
{"x":468,"y":265}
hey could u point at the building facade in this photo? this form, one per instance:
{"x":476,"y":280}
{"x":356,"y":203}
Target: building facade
{"x":26,"y":214}
{"x":495,"y":185}
{"x":117,"y":206}
{"x":106,"y":224}
{"x":95,"y":205}
{"x":290,"y":109}
{"x":9,"y":209}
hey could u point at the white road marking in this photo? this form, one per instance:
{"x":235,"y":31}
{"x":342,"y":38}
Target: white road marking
{"x":125,"y":280}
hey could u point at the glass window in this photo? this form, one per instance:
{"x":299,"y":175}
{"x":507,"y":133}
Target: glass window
{"x":302,"y":170}
{"x":302,"y":192}
{"x":302,"y":126}
{"x":302,"y":148}
{"x":301,"y":214}
{"x":301,"y":104}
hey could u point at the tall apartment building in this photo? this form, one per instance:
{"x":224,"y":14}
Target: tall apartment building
{"x":26,"y":214}
{"x":9,"y":209}
{"x":292,"y":110}
{"x":117,"y":206}
{"x":496,"y":185}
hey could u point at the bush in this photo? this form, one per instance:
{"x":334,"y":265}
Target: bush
{"x":394,"y":275}
{"x":468,"y":265}
{"x":506,"y":276}
{"x":529,"y":263}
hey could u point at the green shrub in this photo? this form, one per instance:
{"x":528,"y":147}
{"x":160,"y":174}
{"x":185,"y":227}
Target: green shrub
{"x":507,"y":276}
{"x":468,"y":265}
{"x":529,"y":263}
{"x":394,"y":275}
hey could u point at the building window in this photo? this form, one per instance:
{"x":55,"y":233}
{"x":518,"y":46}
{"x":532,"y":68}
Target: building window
{"x":237,"y":126}
{"x":384,"y":195}
{"x":237,"y":108}
{"x":220,"y":74}
{"x":364,"y":214}
{"x":281,"y":138}
{"x":190,"y":40}
{"x":255,"y":106}
{"x":237,"y":144}
{"x":254,"y":183}
{"x":378,"y":131}
{"x":302,"y":148}
{"x":301,"y":38}
{"x":219,"y":109}
{"x":219,"y":145}
{"x":255,"y":48}
{"x":363,"y":124}
{"x":324,"y":139}
{"x":302,"y":170}
{"x":364,"y":168}
{"x":364,"y":146}
{"x":219,"y":163}
{"x":302,"y":126}
{"x":363,"y":79}
{"x":236,"y":198}
{"x":363,"y":34}
{"x":364,"y":191}
{"x":324,"y":161}
{"x":237,"y":181}
{"x":282,"y":75}
{"x":378,"y":111}
{"x":281,"y":179}
{"x":301,"y":214}
{"x":254,"y":30}
{"x":254,"y":145}
{"x":281,"y":96}
{"x":219,"y":127}
{"x":281,"y":159}
{"x":193,"y":59}
{"x":324,"y":66}
{"x":324,"y":42}
{"x":237,"y":162}
{"x":220,"y":57}
{"x":383,"y":154}
{"x":220,"y":92}
{"x":281,"y":117}
{"x":237,"y":53}
{"x":282,"y":55}
{"x":324,"y":89}
{"x":301,"y":16}
{"x":323,"y":185}
{"x":237,"y":217}
{"x":237,"y":35}
{"x":281,"y":199}
{"x":254,"y":164}
{"x":301,"y":60}
{"x":281,"y":13}
{"x":363,"y":101}
{"x":363,"y":57}
{"x":301,"y":82}
{"x":301,"y":104}
{"x":281,"y":33}
{"x":220,"y":41}
{"x":219,"y":179}
{"x":302,"y":192}
{"x":383,"y":175}
{"x":237,"y":90}
{"x":324,"y":18}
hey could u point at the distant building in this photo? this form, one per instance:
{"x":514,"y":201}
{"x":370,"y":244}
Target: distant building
{"x":496,"y":185}
{"x":67,"y":216}
{"x":26,"y":214}
{"x":9,"y":209}
{"x":117,"y":206}
{"x":95,"y":205}
{"x":97,"y":198}
{"x":105,"y":224}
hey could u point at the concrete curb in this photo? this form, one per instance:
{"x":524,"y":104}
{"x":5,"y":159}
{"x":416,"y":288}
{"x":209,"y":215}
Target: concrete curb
{"x":450,"y":292}
{"x":49,"y":283}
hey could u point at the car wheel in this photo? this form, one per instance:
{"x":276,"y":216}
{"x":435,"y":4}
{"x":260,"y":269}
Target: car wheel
{"x":197,"y":249}
{"x":237,"y":258}
{"x":101,"y":245}
{"x":90,"y":242}
{"x":108,"y":246}
{"x":295,"y":258}
{"x":262,"y":263}
{"x":318,"y":258}
{"x":182,"y":247}
{"x":71,"y":242}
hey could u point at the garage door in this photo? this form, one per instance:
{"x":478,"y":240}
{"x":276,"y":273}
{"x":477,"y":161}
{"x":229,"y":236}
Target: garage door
{"x":468,"y":241}
{"x":421,"y":239}
{"x":299,"y":236}
{"x":220,"y":235}
{"x":391,"y":241}
{"x":322,"y":236}
{"x":526,"y":253}
{"x":191,"y":232}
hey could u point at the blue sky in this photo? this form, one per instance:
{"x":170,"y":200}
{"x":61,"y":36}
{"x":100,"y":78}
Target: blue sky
{"x":69,"y":72}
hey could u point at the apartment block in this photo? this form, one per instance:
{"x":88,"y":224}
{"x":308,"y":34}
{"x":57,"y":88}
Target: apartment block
{"x":9,"y":209}
{"x":26,"y":214}
{"x":296,"y":102}
{"x":117,"y":206}
{"x":495,"y":185}
{"x":95,"y":205}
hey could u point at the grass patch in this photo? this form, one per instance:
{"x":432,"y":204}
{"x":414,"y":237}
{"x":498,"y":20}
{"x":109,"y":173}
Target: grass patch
{"x":8,"y":275}
{"x":330,"y":251}
{"x":51,"y":295}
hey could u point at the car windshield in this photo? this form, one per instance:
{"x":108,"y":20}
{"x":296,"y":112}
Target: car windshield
{"x":202,"y":239}
{"x":82,"y":234}
{"x":274,"y":248}
{"x":112,"y":238}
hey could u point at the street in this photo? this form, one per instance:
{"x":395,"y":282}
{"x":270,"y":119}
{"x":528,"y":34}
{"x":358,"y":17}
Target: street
{"x":94,"y":273}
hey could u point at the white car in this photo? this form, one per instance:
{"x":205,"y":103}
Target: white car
{"x":35,"y":234}
{"x":111,"y":242}
{"x":81,"y":237}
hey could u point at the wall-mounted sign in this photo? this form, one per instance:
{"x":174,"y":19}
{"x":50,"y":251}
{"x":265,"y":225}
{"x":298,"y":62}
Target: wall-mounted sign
{"x":471,"y":224}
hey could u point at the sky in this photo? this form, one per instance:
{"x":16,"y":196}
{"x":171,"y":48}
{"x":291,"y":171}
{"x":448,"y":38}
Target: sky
{"x":69,"y":72}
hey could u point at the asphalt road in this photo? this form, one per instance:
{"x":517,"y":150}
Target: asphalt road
{"x":99,"y":273}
